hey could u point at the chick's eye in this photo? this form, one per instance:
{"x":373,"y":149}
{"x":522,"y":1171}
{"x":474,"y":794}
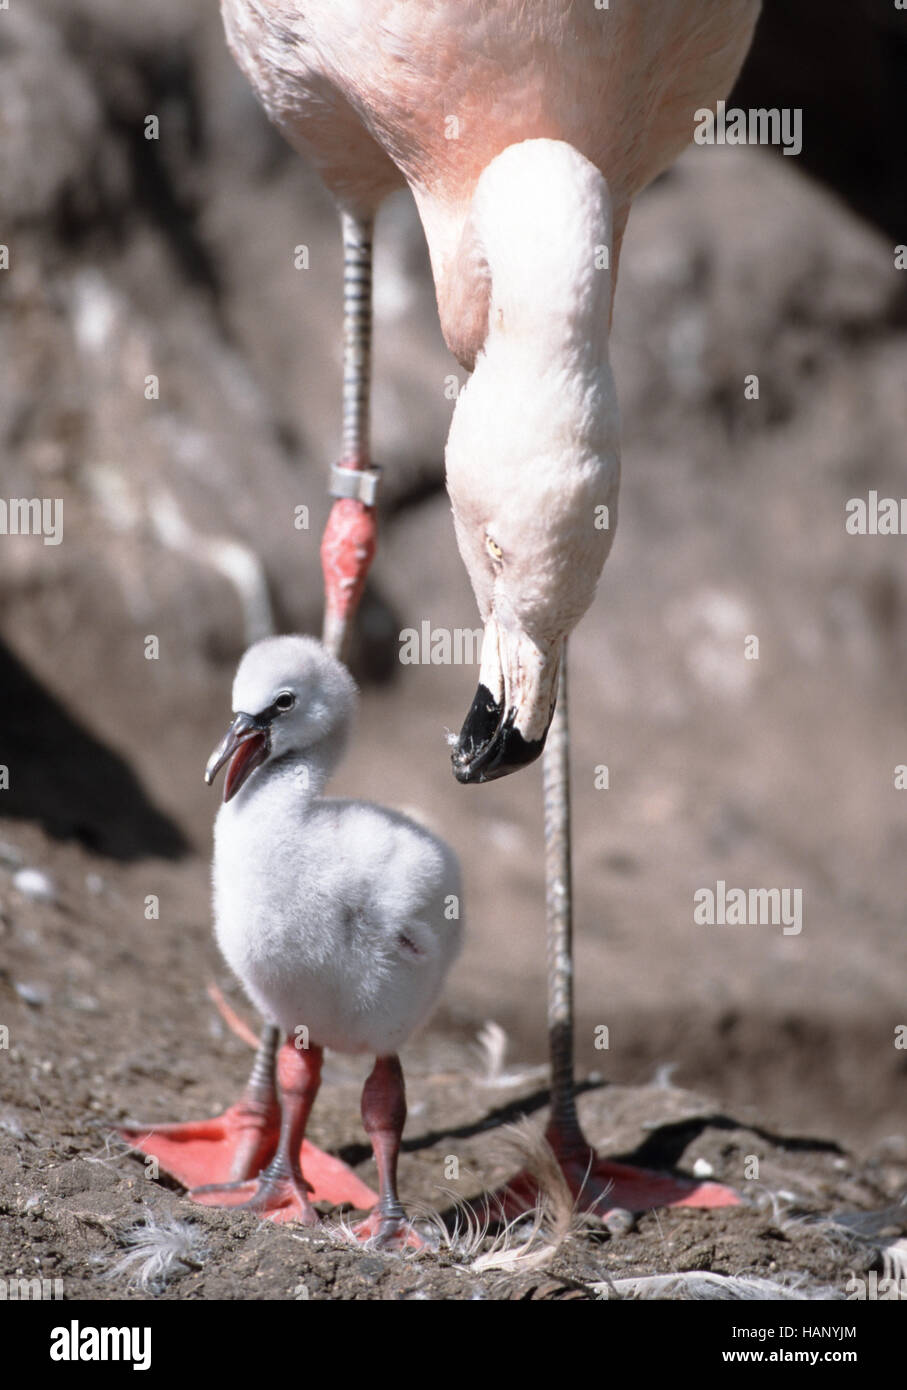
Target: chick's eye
{"x":285,"y":700}
{"x":494,"y":550}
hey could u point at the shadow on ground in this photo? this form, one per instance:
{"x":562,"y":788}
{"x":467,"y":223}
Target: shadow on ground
{"x":65,"y":778}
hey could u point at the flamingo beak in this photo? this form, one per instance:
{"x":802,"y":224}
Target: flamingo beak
{"x":245,"y":745}
{"x":508,"y":720}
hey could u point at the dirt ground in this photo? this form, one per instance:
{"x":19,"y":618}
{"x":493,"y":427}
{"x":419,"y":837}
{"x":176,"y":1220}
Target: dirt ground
{"x":108,"y":1020}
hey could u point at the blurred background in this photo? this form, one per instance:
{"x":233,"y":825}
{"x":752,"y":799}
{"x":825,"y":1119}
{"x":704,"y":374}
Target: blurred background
{"x":174,"y":257}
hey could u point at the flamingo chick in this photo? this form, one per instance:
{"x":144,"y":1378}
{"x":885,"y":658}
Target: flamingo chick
{"x":341,"y":918}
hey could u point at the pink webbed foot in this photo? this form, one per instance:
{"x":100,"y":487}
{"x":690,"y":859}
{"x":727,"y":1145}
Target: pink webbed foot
{"x":331,"y":1180}
{"x":229,"y":1147}
{"x":388,"y":1232}
{"x":232,"y":1149}
{"x":280,"y":1199}
{"x":327,"y":1179}
{"x":298,"y":1174}
{"x":600,"y":1186}
{"x":229,"y":1151}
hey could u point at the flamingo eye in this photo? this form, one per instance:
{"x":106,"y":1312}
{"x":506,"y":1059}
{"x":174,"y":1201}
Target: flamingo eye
{"x":285,"y":700}
{"x":494,"y":550}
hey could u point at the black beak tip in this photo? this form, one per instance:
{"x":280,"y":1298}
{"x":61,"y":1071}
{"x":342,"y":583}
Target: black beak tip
{"x":489,"y":745}
{"x":506,"y":753}
{"x":463,"y":771}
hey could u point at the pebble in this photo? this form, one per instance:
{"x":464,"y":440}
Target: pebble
{"x":35,"y":995}
{"x":620,"y":1222}
{"x":702,"y":1168}
{"x":11,"y":1125}
{"x":36,"y":885}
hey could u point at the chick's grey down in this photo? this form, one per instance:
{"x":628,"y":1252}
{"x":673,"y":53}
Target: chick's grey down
{"x":340,"y":916}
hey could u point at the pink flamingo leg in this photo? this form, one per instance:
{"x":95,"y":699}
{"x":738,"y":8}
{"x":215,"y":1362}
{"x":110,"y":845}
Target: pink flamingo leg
{"x":384,"y":1115}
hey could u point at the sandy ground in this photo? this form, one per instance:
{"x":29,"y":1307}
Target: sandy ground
{"x":108,"y":1020}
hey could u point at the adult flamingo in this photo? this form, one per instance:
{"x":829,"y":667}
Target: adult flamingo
{"x":524,"y":132}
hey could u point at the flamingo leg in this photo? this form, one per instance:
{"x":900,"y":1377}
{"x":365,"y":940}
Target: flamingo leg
{"x":350,"y":536}
{"x":384,"y":1115}
{"x":597,"y":1185}
{"x":281,"y":1192}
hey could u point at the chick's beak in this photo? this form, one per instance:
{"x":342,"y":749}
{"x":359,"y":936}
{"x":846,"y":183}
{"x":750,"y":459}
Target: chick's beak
{"x":245,"y":746}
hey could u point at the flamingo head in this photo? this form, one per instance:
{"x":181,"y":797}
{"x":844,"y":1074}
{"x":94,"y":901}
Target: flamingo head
{"x":293,"y":705}
{"x":532,"y":474}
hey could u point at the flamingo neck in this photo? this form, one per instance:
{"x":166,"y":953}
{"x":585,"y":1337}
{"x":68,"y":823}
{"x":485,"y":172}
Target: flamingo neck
{"x":542,"y":215}
{"x":533,"y":261}
{"x":296,"y":777}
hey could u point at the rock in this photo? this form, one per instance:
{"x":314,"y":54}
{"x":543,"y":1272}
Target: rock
{"x":10,"y":1124}
{"x":36,"y":885}
{"x":32,"y":994}
{"x":620,"y":1222}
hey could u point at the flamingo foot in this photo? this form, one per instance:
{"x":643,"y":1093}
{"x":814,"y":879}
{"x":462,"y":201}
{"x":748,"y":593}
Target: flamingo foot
{"x":388,"y":1232}
{"x":600,"y":1186}
{"x":229,"y":1147}
{"x":234,"y":1147}
{"x":280,"y":1199}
